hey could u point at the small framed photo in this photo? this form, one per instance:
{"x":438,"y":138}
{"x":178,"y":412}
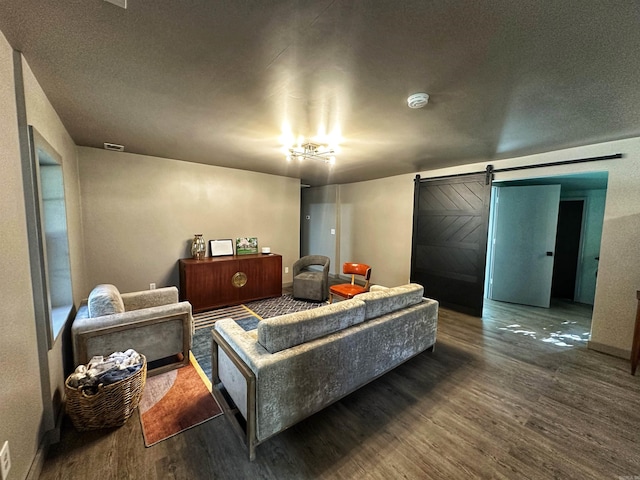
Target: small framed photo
{"x":246,"y":245}
{"x":221,"y":247}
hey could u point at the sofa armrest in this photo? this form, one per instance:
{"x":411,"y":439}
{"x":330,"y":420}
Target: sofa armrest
{"x":149,"y":298}
{"x":235,"y":356}
{"x":116,"y":320}
{"x":244,"y":343}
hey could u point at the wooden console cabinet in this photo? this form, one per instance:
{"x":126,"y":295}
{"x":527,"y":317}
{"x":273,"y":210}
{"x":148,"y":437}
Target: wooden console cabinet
{"x":221,"y":281}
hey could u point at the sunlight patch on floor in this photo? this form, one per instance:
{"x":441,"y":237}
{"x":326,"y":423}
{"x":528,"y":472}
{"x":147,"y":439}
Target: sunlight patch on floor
{"x":557,"y":338}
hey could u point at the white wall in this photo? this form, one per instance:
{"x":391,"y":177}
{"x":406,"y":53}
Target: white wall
{"x":140,"y":214}
{"x":376,"y":224}
{"x":20,"y":393}
{"x":376,"y":218}
{"x":42,"y":116}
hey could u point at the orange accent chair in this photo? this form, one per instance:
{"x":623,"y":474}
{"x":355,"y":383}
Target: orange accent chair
{"x":350,"y":290}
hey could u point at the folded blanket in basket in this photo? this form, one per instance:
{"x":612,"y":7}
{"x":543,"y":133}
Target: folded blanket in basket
{"x":105,"y":371}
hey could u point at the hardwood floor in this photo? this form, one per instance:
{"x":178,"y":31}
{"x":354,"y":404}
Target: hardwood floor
{"x":494,"y":400}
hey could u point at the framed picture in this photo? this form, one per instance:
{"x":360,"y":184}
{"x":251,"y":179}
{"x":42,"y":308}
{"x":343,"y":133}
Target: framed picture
{"x":246,"y":245}
{"x":221,"y":247}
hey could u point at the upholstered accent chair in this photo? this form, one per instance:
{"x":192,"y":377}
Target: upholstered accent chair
{"x":152,"y":322}
{"x":350,"y":290}
{"x":310,"y":283}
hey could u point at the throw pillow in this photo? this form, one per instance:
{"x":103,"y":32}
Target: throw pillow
{"x":105,"y":299}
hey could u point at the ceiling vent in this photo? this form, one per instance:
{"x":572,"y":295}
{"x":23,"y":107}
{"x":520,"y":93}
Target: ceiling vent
{"x":418,"y":100}
{"x":113,"y":147}
{"x":119,"y":3}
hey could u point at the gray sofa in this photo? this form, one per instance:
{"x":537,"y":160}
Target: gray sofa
{"x":152,"y":322}
{"x":294,"y":365}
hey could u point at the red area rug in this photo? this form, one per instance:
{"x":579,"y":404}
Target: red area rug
{"x":175,"y":401}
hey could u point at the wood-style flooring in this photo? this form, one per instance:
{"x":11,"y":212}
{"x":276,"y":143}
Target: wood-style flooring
{"x":500,"y":397}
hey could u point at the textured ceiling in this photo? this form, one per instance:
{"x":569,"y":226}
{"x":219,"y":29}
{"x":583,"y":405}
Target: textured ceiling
{"x":215,"y":81}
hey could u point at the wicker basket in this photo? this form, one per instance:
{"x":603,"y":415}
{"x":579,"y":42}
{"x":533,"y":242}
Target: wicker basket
{"x":111,"y":406}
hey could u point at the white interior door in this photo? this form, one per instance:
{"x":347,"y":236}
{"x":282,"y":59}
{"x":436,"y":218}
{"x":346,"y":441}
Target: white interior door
{"x":524,"y":237}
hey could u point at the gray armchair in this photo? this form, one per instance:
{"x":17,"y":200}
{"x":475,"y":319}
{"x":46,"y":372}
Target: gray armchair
{"x":152,"y":322}
{"x":310,"y":283}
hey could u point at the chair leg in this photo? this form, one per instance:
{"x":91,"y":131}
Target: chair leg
{"x":330,"y":297}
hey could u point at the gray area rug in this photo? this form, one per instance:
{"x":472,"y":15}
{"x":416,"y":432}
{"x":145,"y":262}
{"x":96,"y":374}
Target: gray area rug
{"x":247,"y":316}
{"x":273,"y":307}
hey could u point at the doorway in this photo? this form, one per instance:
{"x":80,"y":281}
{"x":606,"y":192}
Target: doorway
{"x":567,"y":251}
{"x":582,"y":200}
{"x":566,"y":321}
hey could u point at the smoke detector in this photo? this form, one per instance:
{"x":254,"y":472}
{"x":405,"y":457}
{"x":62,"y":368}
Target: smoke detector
{"x":418,"y":100}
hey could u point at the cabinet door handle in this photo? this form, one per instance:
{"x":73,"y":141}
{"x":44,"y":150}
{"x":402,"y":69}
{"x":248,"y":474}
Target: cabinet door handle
{"x":239,"y":280}
{"x":549,"y":254}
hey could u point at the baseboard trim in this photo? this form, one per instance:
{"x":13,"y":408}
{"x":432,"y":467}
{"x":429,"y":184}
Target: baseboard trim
{"x":49,"y":438}
{"x":38,"y":461}
{"x":614,"y":351}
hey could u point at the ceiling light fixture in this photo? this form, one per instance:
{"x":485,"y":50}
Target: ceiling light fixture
{"x":418,"y":100}
{"x":312,"y":151}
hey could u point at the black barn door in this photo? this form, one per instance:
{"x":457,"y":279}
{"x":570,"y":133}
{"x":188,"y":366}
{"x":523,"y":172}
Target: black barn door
{"x":450,"y":223}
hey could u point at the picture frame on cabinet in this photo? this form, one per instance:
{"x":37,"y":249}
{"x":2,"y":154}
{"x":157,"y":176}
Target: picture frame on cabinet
{"x":246,"y":245}
{"x":221,"y":247}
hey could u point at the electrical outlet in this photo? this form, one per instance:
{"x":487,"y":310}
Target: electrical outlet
{"x":286,"y":269}
{"x":152,"y":286}
{"x":5,"y":460}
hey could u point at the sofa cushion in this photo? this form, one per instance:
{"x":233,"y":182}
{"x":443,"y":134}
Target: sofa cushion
{"x":286,"y":331}
{"x":103,"y":300}
{"x":383,"y":301}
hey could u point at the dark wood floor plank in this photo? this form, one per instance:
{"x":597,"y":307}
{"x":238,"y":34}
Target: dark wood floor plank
{"x":580,"y":443}
{"x":500,"y":397}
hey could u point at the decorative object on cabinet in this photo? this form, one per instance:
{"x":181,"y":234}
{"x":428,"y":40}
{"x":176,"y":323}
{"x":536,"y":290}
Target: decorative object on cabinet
{"x":231,"y":280}
{"x":246,"y":245}
{"x":221,"y":247}
{"x":198,"y":247}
